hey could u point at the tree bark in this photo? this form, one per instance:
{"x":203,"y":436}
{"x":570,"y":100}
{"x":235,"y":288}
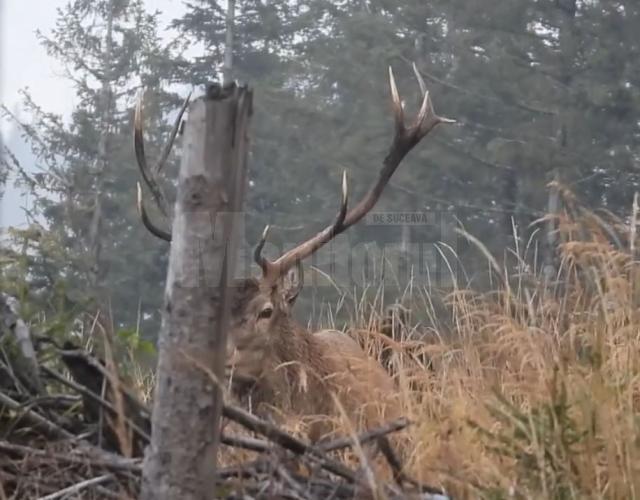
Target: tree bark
{"x":227,"y":68}
{"x":181,"y":460}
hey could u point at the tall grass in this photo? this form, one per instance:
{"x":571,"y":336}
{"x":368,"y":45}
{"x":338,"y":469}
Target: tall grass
{"x":535,"y":388}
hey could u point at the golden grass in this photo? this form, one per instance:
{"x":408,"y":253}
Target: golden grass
{"x":535,"y":392}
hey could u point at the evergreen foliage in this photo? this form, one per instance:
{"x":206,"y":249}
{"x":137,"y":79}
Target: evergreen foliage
{"x":543,"y":91}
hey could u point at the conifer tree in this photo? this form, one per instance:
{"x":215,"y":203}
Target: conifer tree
{"x":86,"y":247}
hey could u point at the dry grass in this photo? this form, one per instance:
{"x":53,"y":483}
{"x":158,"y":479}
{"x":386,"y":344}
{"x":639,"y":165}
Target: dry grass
{"x":535,"y":392}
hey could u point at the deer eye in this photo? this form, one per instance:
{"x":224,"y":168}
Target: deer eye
{"x":266,"y":312}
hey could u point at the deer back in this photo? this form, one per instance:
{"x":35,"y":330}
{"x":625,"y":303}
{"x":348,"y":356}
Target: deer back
{"x":361,"y":389}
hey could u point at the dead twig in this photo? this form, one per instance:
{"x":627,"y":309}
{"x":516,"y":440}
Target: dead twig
{"x":101,"y":401}
{"x":85,"y":456}
{"x":246,"y":443}
{"x":68,"y":354}
{"x":285,"y":440}
{"x":78,"y":487}
{"x":36,"y":419}
{"x":367,"y":436}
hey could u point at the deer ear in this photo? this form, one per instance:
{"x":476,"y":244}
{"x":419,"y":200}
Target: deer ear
{"x":292,"y":284}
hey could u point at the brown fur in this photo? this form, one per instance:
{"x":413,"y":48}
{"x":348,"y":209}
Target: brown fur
{"x":286,"y":369}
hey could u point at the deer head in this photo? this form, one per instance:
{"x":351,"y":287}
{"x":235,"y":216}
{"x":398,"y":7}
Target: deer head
{"x":260,"y":322}
{"x":266,"y":347}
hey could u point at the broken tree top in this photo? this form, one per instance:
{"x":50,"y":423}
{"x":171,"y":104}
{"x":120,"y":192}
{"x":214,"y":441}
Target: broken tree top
{"x":215,"y":90}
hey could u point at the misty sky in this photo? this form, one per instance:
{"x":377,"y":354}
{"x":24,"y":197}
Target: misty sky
{"x":24,"y":63}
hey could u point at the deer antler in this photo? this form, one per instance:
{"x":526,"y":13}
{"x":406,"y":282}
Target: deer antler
{"x":149,"y":175}
{"x":405,"y":138}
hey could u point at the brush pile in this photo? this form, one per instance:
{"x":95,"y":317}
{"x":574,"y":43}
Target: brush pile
{"x":66,"y":433}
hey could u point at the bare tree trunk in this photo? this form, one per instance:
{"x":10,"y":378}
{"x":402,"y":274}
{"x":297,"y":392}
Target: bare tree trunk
{"x":227,"y":69}
{"x":102,"y":162}
{"x":181,"y":460}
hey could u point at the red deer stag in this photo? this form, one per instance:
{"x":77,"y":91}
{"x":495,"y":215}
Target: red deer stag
{"x":273,"y":359}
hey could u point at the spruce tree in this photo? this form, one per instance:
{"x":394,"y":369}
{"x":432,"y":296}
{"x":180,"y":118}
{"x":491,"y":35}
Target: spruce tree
{"x":86,"y":249}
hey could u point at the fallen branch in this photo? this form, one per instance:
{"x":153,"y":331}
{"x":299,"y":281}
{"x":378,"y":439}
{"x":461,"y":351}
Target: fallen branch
{"x":246,"y":443}
{"x":78,"y":487}
{"x":367,"y":436}
{"x":91,"y":456}
{"x":35,"y":418}
{"x":285,"y":440}
{"x":69,"y":354}
{"x":98,"y":399}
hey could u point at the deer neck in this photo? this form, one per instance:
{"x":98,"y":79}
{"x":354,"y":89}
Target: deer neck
{"x":299,"y":372}
{"x":295,"y":344}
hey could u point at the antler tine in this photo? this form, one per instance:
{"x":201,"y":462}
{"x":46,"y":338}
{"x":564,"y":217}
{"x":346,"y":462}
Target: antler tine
{"x":262,"y":261}
{"x":342,"y":213}
{"x":172,"y":137}
{"x":142,"y":212}
{"x":138,"y":141}
{"x":423,"y":86}
{"x":405,"y":138}
{"x":272,"y":270}
{"x":396,"y":103}
{"x":149,"y":176}
{"x":426,"y":118}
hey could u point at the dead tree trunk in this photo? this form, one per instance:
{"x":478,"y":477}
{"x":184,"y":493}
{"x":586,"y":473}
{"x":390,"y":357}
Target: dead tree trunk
{"x":180,"y":462}
{"x":227,"y":67}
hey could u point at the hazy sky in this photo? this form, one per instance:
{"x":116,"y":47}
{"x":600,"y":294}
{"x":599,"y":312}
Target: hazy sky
{"x":24,"y":63}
